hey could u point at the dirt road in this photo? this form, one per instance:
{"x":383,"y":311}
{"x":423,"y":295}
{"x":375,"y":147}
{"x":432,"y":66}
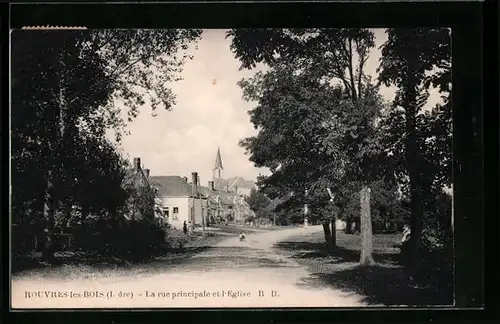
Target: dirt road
{"x":231,"y":274}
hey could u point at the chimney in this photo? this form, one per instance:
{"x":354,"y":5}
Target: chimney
{"x":236,"y":189}
{"x":137,"y":163}
{"x":185,"y":179}
{"x":211,"y":185}
{"x":146,"y":172}
{"x":194,"y":177}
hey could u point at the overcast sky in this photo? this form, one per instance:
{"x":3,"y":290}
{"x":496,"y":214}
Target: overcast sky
{"x":210,"y":112}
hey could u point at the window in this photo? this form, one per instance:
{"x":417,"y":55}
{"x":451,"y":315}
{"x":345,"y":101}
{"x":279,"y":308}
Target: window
{"x":165,"y":211}
{"x":175,"y":213}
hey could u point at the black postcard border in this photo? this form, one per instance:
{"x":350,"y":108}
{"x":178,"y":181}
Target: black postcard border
{"x":466,"y":21}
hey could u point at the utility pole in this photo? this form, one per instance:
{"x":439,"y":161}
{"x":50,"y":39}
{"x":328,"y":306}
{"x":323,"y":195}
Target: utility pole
{"x":203,"y":211}
{"x":194,"y":181}
{"x":202,"y":203}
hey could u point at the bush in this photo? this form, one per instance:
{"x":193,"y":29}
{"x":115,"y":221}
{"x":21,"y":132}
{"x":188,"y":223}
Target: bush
{"x":434,"y":266}
{"x":176,"y":239}
{"x":137,"y":240}
{"x":129,"y":240}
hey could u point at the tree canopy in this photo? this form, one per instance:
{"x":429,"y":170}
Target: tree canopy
{"x":65,"y":90}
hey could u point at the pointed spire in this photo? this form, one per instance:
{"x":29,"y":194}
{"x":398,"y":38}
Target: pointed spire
{"x":218,"y":160}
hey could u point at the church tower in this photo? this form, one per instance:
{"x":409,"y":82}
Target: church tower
{"x":218,"y":168}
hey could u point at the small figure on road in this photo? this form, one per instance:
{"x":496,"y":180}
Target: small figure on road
{"x":185,"y":228}
{"x":242,"y":236}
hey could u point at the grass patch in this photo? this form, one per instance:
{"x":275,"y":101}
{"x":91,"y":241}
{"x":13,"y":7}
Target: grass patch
{"x":236,"y":229}
{"x":382,"y":284}
{"x":80,"y":264}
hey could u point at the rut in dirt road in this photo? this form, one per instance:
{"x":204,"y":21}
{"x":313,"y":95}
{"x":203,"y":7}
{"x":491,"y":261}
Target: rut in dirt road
{"x":232,"y":274}
{"x":257,"y":251}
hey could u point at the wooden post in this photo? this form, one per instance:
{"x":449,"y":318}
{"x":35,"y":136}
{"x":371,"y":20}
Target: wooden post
{"x":306,"y":210}
{"x":333,"y":238}
{"x":366,"y":257}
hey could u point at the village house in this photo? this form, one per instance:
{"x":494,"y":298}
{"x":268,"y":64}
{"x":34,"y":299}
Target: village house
{"x":225,"y":206}
{"x":178,"y":200}
{"x":236,"y":185}
{"x":243,"y":212}
{"x":176,"y":197}
{"x":231,"y":192}
{"x":136,"y":182}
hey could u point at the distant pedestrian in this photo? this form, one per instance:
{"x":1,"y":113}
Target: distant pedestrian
{"x":185,"y":228}
{"x":190,"y":228}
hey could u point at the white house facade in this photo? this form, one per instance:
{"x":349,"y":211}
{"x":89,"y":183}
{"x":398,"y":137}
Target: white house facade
{"x":176,"y":200}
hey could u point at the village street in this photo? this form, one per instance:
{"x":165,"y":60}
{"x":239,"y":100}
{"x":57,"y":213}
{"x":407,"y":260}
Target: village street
{"x":229,"y":274}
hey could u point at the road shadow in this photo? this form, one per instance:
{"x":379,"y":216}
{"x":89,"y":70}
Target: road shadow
{"x":234,"y":262}
{"x":381,"y":285}
{"x":338,"y":254}
{"x":234,"y":257}
{"x":384,"y":283}
{"x":33,"y":264}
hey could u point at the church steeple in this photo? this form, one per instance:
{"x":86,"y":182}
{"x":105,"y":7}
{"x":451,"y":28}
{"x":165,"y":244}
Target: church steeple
{"x":218,"y":165}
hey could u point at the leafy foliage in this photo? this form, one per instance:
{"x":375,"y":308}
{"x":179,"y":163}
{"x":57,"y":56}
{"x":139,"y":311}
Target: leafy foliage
{"x":421,"y":141}
{"x":66,"y":90}
{"x":260,"y":204}
{"x":325,"y":106}
{"x":322,"y":123}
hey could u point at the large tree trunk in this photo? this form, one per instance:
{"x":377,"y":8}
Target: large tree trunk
{"x":348,"y":226}
{"x":49,"y":203}
{"x":415,"y":202}
{"x":334,"y":231}
{"x":412,"y":165}
{"x":48,"y":216}
{"x":366,"y":228}
{"x":328,"y":234}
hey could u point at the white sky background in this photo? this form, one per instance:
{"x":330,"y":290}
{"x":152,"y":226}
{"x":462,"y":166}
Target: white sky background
{"x":210,"y":112}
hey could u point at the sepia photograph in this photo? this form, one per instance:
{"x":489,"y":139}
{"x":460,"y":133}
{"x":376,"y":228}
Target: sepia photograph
{"x":241,"y":168}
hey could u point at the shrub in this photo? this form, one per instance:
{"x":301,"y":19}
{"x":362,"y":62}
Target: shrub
{"x":129,"y":240}
{"x":434,"y":264}
{"x":138,"y":240}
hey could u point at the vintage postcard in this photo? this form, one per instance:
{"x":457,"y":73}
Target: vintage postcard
{"x":262,"y":168}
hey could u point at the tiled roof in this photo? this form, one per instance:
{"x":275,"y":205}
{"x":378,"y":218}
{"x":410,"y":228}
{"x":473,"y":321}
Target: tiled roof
{"x":240,"y":183}
{"x":171,"y":186}
{"x":233,"y":182}
{"x":134,"y":178}
{"x":224,"y":197}
{"x":206,"y":191}
{"x":220,"y":184}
